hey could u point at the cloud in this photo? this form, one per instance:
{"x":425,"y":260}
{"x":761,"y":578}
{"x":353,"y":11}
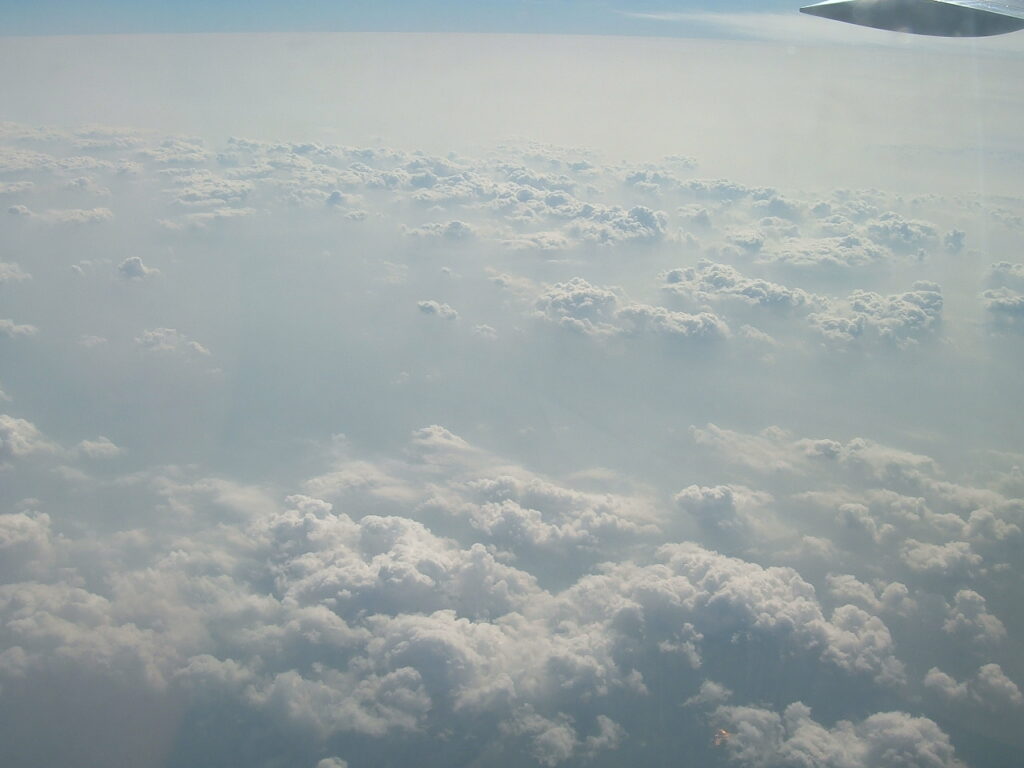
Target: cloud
{"x":132,"y":268}
{"x":592,"y":310}
{"x":828,"y":253}
{"x":15,"y":187}
{"x":1006,"y":275}
{"x":13,"y":330}
{"x":76,"y":215}
{"x":736,"y":513}
{"x":764,"y":738}
{"x":373,"y":624}
{"x":437,"y":309}
{"x":953,"y":557}
{"x":204,"y":219}
{"x":659,"y":321}
{"x":899,"y":233}
{"x":1005,"y":308}
{"x":455,"y":231}
{"x":12,"y":273}
{"x":181,"y":150}
{"x":709,"y":281}
{"x":27,"y":548}
{"x":579,"y":306}
{"x":170,"y":340}
{"x":20,"y":438}
{"x":989,"y":687}
{"x":902,"y":320}
{"x":969,"y":617}
{"x":615,"y":225}
{"x":880,"y":597}
{"x":100,"y":448}
{"x":536,"y":580}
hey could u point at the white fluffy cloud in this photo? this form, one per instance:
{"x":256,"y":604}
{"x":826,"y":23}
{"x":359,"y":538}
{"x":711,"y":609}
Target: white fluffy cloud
{"x":133,"y":268}
{"x":20,"y":437}
{"x":568,"y":558}
{"x":989,"y":687}
{"x":901,"y":320}
{"x":170,"y":340}
{"x":13,"y":329}
{"x":579,"y":306}
{"x":709,"y":281}
{"x":765,"y":738}
{"x":438,"y":309}
{"x":10,"y":273}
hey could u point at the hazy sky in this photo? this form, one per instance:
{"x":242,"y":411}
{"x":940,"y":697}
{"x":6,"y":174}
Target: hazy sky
{"x":386,"y":399}
{"x":599,"y":17}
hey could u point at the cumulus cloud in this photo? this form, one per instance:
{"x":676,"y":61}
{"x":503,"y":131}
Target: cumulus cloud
{"x":20,"y":438}
{"x":170,"y":340}
{"x":901,"y":320}
{"x":709,"y":281}
{"x":952,"y":557}
{"x":452,"y":230}
{"x":735,"y":512}
{"x":579,"y":306}
{"x":405,"y":625}
{"x":597,"y":311}
{"x":969,"y":617}
{"x":12,"y":273}
{"x":100,"y":448}
{"x":990,"y":687}
{"x":777,"y":450}
{"x":437,"y":309}
{"x":530,"y":584}
{"x":762,"y":737}
{"x":12,"y":330}
{"x":1005,"y":308}
{"x":1006,"y":275}
{"x":77,"y":215}
{"x":616,"y":225}
{"x":893,"y":597}
{"x":899,"y":233}
{"x":133,"y":268}
{"x":659,"y":321}
{"x":847,"y":252}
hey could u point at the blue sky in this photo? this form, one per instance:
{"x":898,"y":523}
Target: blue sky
{"x":34,"y":17}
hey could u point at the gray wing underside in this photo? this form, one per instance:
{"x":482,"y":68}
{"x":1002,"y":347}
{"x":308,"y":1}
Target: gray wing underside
{"x":945,"y":18}
{"x":1009,"y":8}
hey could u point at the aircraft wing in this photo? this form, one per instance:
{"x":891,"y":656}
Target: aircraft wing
{"x":944,"y":18}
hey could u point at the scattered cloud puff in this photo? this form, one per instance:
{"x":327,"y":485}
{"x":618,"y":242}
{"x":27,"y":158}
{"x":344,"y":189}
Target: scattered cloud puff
{"x":1004,"y":301}
{"x":13,"y":330}
{"x":579,"y":306}
{"x":969,"y":617}
{"x":20,"y":438}
{"x":133,"y":268}
{"x":100,"y":448}
{"x":901,"y":320}
{"x":989,"y":687}
{"x":65,"y":216}
{"x":437,"y":309}
{"x":711,"y":282}
{"x":844,"y":252}
{"x":452,"y":230}
{"x":170,"y":340}
{"x":340,"y":618}
{"x":776,"y":450}
{"x":12,"y":273}
{"x":764,"y":738}
{"x":451,"y":599}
